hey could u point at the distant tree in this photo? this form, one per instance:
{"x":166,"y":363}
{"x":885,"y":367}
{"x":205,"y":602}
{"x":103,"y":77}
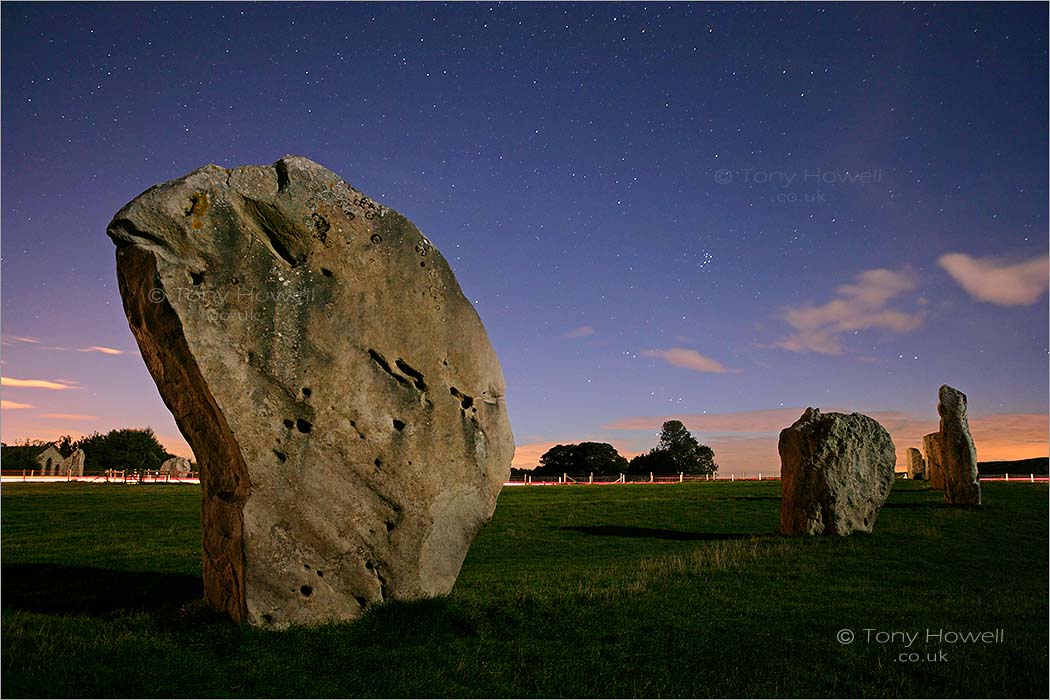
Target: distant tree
{"x":583,"y":458}
{"x":21,"y":456}
{"x":127,"y":448}
{"x":65,"y":445}
{"x":684,"y":451}
{"x":655,"y":461}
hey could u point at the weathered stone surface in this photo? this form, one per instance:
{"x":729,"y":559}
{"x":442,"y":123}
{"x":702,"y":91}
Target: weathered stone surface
{"x":958,"y":454}
{"x":176,"y":466}
{"x":340,"y":394}
{"x":74,"y":463}
{"x":836,"y":472}
{"x":916,"y":465}
{"x":931,"y":445}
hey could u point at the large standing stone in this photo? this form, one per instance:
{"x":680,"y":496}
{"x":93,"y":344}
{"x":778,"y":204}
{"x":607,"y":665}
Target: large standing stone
{"x":958,"y":454}
{"x":836,"y":472}
{"x":74,"y":463}
{"x":338,"y":390}
{"x":916,"y":465}
{"x":931,"y":445}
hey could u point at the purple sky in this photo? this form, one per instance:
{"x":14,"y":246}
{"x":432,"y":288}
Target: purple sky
{"x":720,"y":212}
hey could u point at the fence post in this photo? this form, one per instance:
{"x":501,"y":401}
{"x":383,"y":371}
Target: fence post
{"x":732,"y":477}
{"x":1032,"y":477}
{"x":563,"y":475}
{"x":1007,"y":476}
{"x":760,"y":476}
{"x":681,"y":477}
{"x":590,"y":479}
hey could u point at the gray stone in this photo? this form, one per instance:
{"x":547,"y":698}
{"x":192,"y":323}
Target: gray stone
{"x":74,"y":463}
{"x":338,"y":390}
{"x":836,"y":472}
{"x":958,"y":454}
{"x":931,"y":445}
{"x":916,"y":465}
{"x":176,"y":466}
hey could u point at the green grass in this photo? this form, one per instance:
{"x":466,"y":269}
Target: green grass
{"x":618,"y":591}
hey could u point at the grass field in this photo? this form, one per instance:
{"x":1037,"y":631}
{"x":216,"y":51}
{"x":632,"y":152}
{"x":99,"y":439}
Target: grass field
{"x":619,"y":591}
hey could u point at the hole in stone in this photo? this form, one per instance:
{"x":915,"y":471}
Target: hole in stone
{"x":280,"y":456}
{"x":268,"y":619}
{"x":369,"y":565}
{"x":306,"y":391}
{"x":320,"y":573}
{"x":361,"y":601}
{"x":378,"y":463}
{"x":306,"y":566}
{"x":422,"y":264}
{"x":288,"y":422}
{"x":399,"y":424}
{"x":389,"y":526}
{"x":304,"y":426}
{"x":307,"y":591}
{"x":376,"y":238}
{"x":326,"y":272}
{"x":196,"y":277}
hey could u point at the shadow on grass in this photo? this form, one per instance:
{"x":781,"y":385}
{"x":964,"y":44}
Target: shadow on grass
{"x":917,"y":505}
{"x":85,"y":590}
{"x":653,"y":533}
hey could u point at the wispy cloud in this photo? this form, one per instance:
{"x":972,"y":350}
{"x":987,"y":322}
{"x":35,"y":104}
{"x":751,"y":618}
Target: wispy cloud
{"x":855,"y":307}
{"x":999,"y":282}
{"x":56,"y":385}
{"x":68,"y":416}
{"x":581,"y":332}
{"x":689,"y":359}
{"x":102,"y":349}
{"x":13,"y":405}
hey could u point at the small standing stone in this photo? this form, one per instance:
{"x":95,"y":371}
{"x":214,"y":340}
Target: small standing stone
{"x":931,"y":445}
{"x":958,"y":454}
{"x":916,"y":465}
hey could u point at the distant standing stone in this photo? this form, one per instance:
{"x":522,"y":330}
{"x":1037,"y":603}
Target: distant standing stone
{"x":931,"y":445}
{"x":338,"y":389}
{"x":916,"y":465}
{"x":74,"y":463}
{"x":176,"y":466}
{"x":958,"y":454}
{"x":836,"y":472}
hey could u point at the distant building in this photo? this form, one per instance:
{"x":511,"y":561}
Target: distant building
{"x":45,"y":455}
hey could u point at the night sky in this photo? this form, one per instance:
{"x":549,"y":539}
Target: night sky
{"x":722,"y":213}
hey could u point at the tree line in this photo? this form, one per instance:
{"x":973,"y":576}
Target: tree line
{"x":124,"y":448}
{"x":677,"y":452}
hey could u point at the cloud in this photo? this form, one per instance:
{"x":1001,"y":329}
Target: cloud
{"x":102,"y":349}
{"x":991,"y":280}
{"x":581,"y":332}
{"x":37,"y":383}
{"x":68,"y":416}
{"x":856,"y":307}
{"x":25,"y":339}
{"x":689,"y":359}
{"x":13,"y":405}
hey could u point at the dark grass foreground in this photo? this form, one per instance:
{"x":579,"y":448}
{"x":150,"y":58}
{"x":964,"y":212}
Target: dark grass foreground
{"x":616,"y":591}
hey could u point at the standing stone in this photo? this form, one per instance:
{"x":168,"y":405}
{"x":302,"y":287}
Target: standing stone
{"x":74,"y":463}
{"x":176,"y":466}
{"x":958,"y":454}
{"x":338,"y":390}
{"x":836,"y":472}
{"x":931,"y":445}
{"x":916,"y":465}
